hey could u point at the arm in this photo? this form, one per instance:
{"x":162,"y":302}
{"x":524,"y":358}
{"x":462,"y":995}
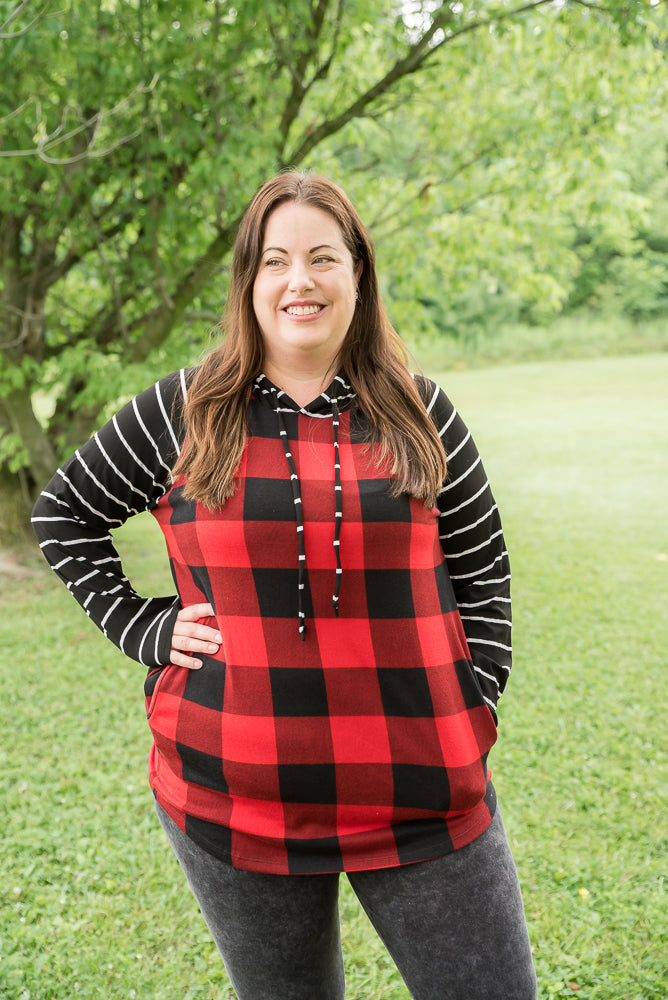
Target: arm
{"x":122,"y":470}
{"x":474,"y":548}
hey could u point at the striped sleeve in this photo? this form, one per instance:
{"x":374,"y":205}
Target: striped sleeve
{"x":124,"y":469}
{"x":472,"y":540}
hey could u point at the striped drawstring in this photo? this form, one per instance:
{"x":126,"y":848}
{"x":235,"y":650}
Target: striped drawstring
{"x":297,"y":498}
{"x":338,"y":515}
{"x":299,"y":516}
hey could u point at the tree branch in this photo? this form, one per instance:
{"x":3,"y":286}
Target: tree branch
{"x":416,"y":55}
{"x":391,"y":210}
{"x":46,"y":142}
{"x":300,"y":88}
{"x":5,"y":35}
{"x":461,"y":206}
{"x":59,"y":269}
{"x":113,"y":284}
{"x":26,"y":318}
{"x":158,"y":323}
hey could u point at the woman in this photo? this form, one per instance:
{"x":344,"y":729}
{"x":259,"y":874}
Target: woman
{"x":322,"y":691}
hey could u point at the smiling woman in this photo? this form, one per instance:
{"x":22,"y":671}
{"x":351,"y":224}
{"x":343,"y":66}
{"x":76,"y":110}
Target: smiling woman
{"x":370,"y":352}
{"x":322,"y":689}
{"x":304,"y":297}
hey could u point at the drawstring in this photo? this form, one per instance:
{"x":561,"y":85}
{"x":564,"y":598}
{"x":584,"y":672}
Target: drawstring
{"x":326,"y":406}
{"x":299,"y":516}
{"x":338,"y":515}
{"x":297,"y":497}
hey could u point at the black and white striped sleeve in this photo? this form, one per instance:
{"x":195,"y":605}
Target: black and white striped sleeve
{"x":124,"y":469}
{"x":475,"y":551}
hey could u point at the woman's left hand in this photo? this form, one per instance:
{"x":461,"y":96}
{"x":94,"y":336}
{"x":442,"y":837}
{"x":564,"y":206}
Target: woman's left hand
{"x":190,"y":637}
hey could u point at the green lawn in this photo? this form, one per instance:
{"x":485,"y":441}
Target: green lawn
{"x":93,"y":904}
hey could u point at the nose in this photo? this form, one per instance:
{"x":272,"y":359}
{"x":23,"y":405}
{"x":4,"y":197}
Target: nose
{"x":300,"y":277}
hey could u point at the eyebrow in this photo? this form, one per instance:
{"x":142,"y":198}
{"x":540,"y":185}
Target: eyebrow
{"x":321,"y":246}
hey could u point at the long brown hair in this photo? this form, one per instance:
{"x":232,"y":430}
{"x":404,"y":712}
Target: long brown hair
{"x":372,"y":357}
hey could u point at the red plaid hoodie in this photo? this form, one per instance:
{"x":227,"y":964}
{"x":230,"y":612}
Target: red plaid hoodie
{"x":345,"y":722}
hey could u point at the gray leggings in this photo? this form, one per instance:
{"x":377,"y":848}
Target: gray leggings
{"x":454,"y":925}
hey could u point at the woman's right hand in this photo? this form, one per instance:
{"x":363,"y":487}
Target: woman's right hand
{"x":189,"y":637}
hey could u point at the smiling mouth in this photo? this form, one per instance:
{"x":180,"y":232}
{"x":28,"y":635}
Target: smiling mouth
{"x":303,"y":310}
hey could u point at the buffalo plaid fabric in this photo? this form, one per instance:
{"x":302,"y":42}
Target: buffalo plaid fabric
{"x":345,"y":722}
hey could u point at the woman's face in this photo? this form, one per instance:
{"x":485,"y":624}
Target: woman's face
{"x":304,"y":290}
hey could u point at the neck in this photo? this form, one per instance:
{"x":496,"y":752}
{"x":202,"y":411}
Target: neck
{"x":302,"y":386}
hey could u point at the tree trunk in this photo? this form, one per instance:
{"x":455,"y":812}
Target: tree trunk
{"x":19,"y":418}
{"x":72,"y":423}
{"x":19,"y":489}
{"x":15,"y":506}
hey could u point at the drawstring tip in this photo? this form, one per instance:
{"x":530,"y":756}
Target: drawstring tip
{"x":302,"y":633}
{"x":335,"y":605}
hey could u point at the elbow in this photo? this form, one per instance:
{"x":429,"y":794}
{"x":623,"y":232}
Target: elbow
{"x":38,"y":508}
{"x":42,"y":512}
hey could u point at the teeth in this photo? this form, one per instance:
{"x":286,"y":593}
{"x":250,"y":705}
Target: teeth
{"x":302,"y":310}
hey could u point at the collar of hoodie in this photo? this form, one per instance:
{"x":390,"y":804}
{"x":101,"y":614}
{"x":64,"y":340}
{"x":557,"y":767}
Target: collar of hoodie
{"x":328,"y":405}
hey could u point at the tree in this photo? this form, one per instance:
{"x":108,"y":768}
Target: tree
{"x":131,"y":143}
{"x":560,"y":151}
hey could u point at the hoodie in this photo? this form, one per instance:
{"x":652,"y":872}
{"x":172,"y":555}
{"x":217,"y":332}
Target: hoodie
{"x":346,"y":719}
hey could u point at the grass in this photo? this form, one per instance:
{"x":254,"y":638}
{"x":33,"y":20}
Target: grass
{"x":93,"y":904}
{"x":578,"y":455}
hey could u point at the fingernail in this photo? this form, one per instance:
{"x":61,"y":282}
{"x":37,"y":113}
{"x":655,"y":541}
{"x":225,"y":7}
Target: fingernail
{"x":218,"y":637}
{"x":197,"y":664}
{"x":212,"y":647}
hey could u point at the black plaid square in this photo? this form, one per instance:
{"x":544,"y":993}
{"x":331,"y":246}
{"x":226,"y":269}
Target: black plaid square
{"x":421,"y":787}
{"x":213,"y":837}
{"x":405,"y":692}
{"x":298,"y":692}
{"x":183,"y":510}
{"x":314,"y":783}
{"x":276,"y":591}
{"x":313,"y":855}
{"x":446,"y":594}
{"x":206,"y":686}
{"x":467,"y":683}
{"x":201,"y":768}
{"x":268,"y":499}
{"x":377,"y":503}
{"x":389,"y":593}
{"x":431,"y":834}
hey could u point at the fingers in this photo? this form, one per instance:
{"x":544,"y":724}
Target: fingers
{"x":182,"y":660}
{"x":191,"y":637}
{"x":195,"y":638}
{"x":195,"y":611}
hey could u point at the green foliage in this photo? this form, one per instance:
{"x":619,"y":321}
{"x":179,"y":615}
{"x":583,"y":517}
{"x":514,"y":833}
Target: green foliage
{"x":641,"y":284}
{"x":514,"y":174}
{"x":583,"y":334}
{"x":504,"y":161}
{"x":12,"y":452}
{"x":94,"y":904}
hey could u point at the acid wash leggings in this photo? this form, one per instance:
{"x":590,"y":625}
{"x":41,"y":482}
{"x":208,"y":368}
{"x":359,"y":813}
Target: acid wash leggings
{"x":453,"y":925}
